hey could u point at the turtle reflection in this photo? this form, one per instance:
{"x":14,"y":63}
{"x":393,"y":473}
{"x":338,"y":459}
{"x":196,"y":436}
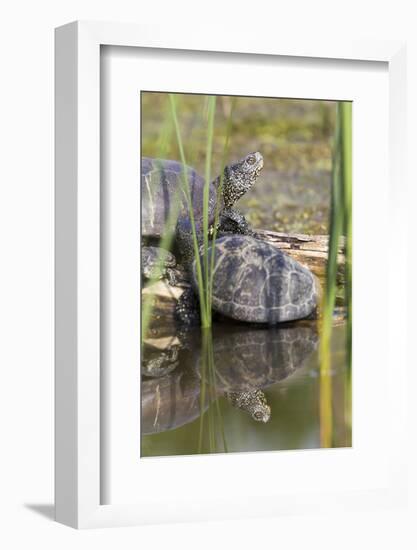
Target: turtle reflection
{"x":179,"y":384}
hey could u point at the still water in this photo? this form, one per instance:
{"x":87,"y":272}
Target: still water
{"x":193,"y":384}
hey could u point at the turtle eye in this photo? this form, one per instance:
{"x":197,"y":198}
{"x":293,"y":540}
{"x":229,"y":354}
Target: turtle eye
{"x":251,"y":160}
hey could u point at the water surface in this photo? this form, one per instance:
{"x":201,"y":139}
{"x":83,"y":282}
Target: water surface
{"x":187,"y":411}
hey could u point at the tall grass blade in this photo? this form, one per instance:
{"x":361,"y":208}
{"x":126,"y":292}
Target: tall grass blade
{"x":346,"y":122}
{"x":186,"y":190}
{"x":202,"y":404}
{"x":329,"y":295}
{"x":220,"y":192}
{"x":346,"y":130}
{"x":206,"y":195}
{"x":212,"y":373}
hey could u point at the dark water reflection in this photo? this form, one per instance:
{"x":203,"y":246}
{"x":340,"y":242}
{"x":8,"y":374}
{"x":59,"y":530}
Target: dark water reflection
{"x":188,"y":384}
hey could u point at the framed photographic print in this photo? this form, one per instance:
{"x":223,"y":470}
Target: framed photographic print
{"x":220,"y":334}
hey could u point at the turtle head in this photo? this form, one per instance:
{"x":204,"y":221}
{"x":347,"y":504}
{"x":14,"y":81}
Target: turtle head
{"x":261,"y":413}
{"x":239,"y":177}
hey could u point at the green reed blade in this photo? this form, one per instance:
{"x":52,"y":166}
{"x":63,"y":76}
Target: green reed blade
{"x":346,"y":124}
{"x":329,"y":295}
{"x":215,"y":427}
{"x":219,"y":193}
{"x":209,"y":151}
{"x":204,"y":320}
{"x":210,"y":421}
{"x":212,"y":371}
{"x":203,"y":385}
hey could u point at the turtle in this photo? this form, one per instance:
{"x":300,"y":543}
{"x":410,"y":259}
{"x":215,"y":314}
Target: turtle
{"x":165,"y":208}
{"x":157,"y":363}
{"x":255,"y":282}
{"x":246,"y":361}
{"x":158,"y":263}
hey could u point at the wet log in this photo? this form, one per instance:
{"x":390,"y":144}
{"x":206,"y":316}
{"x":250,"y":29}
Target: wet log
{"x":310,"y":250}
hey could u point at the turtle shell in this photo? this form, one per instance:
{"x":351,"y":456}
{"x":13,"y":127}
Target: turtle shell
{"x":255,"y":282}
{"x":171,"y":401}
{"x":246,"y":358}
{"x":162,"y":193}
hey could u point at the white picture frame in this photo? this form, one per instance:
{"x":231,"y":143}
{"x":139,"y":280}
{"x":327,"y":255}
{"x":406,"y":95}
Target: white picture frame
{"x":78,"y":265}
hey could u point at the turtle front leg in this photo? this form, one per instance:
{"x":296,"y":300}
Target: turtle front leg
{"x":233,"y":221}
{"x":171,"y":276}
{"x":158,"y":263}
{"x":187,"y":311}
{"x":159,"y":366}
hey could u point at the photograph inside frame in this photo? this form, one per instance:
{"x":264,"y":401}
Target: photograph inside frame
{"x":246,"y":247}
